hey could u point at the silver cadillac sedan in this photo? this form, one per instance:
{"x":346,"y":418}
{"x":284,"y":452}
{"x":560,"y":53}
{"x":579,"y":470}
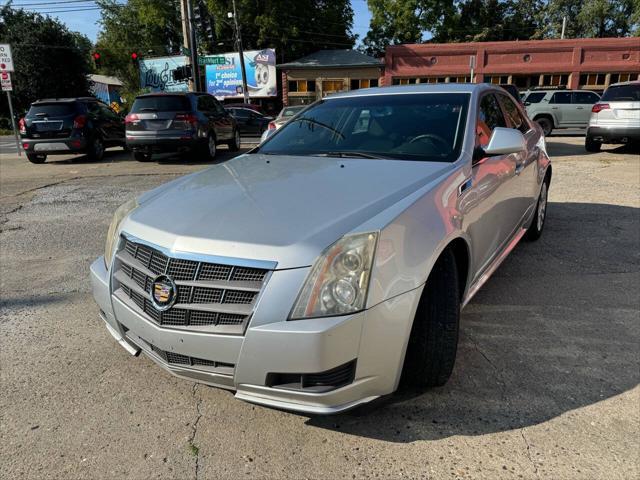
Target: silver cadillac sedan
{"x":329,"y":265}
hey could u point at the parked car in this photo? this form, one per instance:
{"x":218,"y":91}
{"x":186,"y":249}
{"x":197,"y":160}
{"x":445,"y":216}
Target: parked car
{"x":179,"y":122}
{"x":250,"y":122}
{"x":317,"y":271}
{"x":250,"y":106}
{"x":513,"y":90}
{"x":616,"y":117}
{"x":283,"y":117}
{"x":560,"y":108}
{"x":63,"y":126}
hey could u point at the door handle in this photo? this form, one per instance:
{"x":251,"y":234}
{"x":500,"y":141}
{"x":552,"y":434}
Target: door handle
{"x":554,"y":108}
{"x":579,"y":108}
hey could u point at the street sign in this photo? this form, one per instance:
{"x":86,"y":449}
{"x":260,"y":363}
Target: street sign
{"x":211,"y":60}
{"x":5,"y":79}
{"x":185,"y":51}
{"x":6,"y":62}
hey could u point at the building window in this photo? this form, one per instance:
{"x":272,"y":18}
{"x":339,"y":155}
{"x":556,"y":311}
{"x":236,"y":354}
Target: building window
{"x":622,"y":77}
{"x":554,"y":80}
{"x":459,"y":79}
{"x":497,"y":79}
{"x":593,"y":80}
{"x":363,"y":83}
{"x":302,"y":86}
{"x":332,"y":85}
{"x":405,"y":81}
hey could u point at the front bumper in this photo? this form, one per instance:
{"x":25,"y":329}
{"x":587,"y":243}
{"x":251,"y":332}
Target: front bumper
{"x":614,"y":134}
{"x":375,"y":339}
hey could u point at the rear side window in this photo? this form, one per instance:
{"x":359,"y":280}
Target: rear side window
{"x":561,"y":97}
{"x":161,"y":103}
{"x":58,"y":109}
{"x":535,"y":97}
{"x":513,"y":114}
{"x":622,"y":93}
{"x":588,"y":98}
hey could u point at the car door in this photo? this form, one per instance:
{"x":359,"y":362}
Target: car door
{"x":224,"y":123}
{"x":489,"y":205}
{"x":583,"y":102}
{"x":97,"y":121}
{"x":113,"y":125}
{"x":525,"y":175}
{"x":562,"y":108}
{"x":242,"y":117}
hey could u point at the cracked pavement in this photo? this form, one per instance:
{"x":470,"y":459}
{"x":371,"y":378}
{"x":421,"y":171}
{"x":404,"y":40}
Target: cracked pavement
{"x":545,"y":384}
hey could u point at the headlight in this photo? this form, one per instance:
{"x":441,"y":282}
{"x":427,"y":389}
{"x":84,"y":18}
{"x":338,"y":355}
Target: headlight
{"x":339,"y":279}
{"x":112,"y":235}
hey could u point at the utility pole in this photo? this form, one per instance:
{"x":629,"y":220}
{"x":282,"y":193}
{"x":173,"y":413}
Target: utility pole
{"x":564,"y":27}
{"x":195,"y":68}
{"x":186,"y":35}
{"x":245,"y":90}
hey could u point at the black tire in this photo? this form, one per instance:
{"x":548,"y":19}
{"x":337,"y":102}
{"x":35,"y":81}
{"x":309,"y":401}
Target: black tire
{"x":96,"y":149}
{"x":534,"y":232}
{"x":234,"y":145}
{"x":141,"y":156}
{"x":433,"y":344}
{"x":210,"y":149}
{"x":546,"y":124}
{"x":36,"y":157}
{"x":590,"y":145}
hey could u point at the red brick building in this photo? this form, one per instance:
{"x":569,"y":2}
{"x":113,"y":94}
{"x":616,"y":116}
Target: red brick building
{"x":591,"y":63}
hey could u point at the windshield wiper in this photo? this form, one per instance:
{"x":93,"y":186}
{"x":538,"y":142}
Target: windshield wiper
{"x":313,"y":121}
{"x":349,"y":155}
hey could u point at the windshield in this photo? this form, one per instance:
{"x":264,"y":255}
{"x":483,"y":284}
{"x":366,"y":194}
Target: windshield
{"x":535,"y":97}
{"x":426,"y":126}
{"x":622,"y":93}
{"x":161,"y":103}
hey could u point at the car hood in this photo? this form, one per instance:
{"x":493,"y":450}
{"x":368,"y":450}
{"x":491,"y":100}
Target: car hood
{"x":284,"y":209}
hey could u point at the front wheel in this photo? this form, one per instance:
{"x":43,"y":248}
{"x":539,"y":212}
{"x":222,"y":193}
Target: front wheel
{"x":590,"y":145}
{"x":36,"y":157}
{"x":211,"y":149}
{"x":433,"y":344}
{"x":534,"y":232}
{"x":546,"y":124}
{"x":234,"y":144}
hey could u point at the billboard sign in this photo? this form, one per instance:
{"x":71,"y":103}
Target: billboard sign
{"x":156,"y":74}
{"x":223,"y":79}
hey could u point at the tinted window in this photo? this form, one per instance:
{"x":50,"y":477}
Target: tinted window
{"x":161,"y":103}
{"x":561,"y":97}
{"x":409,"y":127}
{"x":52,"y":109}
{"x":622,"y":93}
{"x":204,"y":104}
{"x":516,"y":119}
{"x":585,"y":97}
{"x":535,"y":97}
{"x":489,"y":117}
{"x":239,"y":113}
{"x":216,"y":106}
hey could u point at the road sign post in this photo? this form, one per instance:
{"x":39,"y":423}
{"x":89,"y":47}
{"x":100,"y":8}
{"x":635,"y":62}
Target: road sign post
{"x":13,"y":122}
{"x":6,"y":66}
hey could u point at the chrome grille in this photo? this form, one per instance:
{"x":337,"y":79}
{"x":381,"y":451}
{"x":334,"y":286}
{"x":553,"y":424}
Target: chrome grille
{"x":218,"y":297}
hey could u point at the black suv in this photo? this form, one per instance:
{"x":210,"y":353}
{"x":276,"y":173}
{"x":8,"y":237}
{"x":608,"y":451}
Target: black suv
{"x":70,"y":126}
{"x":179,"y":122}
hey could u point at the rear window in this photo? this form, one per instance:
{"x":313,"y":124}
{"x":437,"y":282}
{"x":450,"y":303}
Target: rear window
{"x":622,"y":93}
{"x":535,"y":97}
{"x":161,"y":103}
{"x":52,"y":110}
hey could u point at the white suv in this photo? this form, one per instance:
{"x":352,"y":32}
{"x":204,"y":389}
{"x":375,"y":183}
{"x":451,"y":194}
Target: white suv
{"x":616,"y":117}
{"x":559,"y":108}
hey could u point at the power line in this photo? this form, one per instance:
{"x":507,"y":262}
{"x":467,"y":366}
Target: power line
{"x":51,"y":3}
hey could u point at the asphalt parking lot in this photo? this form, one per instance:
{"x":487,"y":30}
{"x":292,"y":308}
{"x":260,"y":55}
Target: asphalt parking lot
{"x":545,"y":385}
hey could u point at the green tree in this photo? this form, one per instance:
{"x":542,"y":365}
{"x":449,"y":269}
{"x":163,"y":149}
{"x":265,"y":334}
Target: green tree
{"x":293,"y":27}
{"x":147,"y":27}
{"x":50,"y":61}
{"x":590,"y":18}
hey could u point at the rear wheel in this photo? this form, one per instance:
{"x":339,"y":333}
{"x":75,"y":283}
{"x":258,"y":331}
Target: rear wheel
{"x":546,"y":124}
{"x":433,"y":344}
{"x":234,"y":144}
{"x":590,"y":145}
{"x":211,"y":149}
{"x":142,"y":156}
{"x":36,"y":157}
{"x":96,"y":150}
{"x":534,"y":232}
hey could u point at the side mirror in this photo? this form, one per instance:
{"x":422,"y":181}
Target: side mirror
{"x":504,"y":141}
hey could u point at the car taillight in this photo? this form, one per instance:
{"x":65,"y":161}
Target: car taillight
{"x":23,"y":126}
{"x":271,"y":126}
{"x":186,"y":117}
{"x":132,"y":117}
{"x":80,"y":121}
{"x":599,"y":107}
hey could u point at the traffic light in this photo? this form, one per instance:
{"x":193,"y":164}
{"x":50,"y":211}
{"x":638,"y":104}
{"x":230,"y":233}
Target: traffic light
{"x":96,"y":59}
{"x":134,"y":58}
{"x":182,"y":73}
{"x":203,"y":20}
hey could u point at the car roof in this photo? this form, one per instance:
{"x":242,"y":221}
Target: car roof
{"x":417,"y":89}
{"x":170,"y":94}
{"x":65,"y":100}
{"x":629,"y":82}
